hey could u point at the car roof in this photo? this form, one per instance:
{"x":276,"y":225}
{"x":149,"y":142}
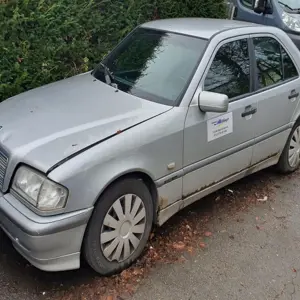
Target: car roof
{"x":198,"y":27}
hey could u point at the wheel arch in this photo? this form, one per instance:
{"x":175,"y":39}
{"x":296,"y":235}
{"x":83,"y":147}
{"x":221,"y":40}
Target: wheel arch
{"x":139,"y":175}
{"x":297,"y":119}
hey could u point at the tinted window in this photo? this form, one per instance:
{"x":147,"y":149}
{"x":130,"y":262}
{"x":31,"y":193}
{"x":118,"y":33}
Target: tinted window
{"x":247,"y":3}
{"x":154,"y":65}
{"x":273,"y":62}
{"x":268,"y":61}
{"x":229,"y":73}
{"x":289,"y":69}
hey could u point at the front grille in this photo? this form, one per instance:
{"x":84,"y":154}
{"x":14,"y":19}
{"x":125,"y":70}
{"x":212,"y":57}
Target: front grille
{"x":3,"y":166}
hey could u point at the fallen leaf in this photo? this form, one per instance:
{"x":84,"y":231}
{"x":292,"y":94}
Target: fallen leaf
{"x":190,"y":249}
{"x":264,"y":199}
{"x":202,"y":245}
{"x":125,"y":274}
{"x":179,"y":246}
{"x":208,"y":234}
{"x":137,"y":271}
{"x":130,"y":288}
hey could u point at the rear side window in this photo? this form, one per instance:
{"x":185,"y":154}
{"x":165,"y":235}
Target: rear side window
{"x":289,"y":69}
{"x":229,"y":72}
{"x":273,"y":63}
{"x":268,"y":61}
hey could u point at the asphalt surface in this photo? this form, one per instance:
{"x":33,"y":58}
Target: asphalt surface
{"x":253,"y":253}
{"x":256,"y":258}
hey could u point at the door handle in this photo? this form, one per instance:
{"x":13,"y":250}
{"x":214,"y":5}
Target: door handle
{"x":249,"y":110}
{"x":293,"y":94}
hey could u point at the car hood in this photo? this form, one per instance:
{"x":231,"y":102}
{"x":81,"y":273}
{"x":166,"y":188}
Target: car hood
{"x":47,"y":125}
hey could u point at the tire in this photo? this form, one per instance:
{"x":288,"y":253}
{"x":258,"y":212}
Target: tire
{"x":285,"y":164}
{"x":113,"y":203}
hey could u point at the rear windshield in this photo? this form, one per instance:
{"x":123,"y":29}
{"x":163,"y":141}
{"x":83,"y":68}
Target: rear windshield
{"x":154,"y":65}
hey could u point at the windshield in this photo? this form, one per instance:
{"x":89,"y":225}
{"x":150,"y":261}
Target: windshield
{"x":290,"y":4}
{"x":153,"y":65}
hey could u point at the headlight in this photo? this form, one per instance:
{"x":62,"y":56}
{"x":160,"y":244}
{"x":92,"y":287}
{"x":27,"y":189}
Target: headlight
{"x":37,"y":189}
{"x":290,"y":21}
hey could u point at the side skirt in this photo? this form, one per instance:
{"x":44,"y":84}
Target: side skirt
{"x":168,"y":212}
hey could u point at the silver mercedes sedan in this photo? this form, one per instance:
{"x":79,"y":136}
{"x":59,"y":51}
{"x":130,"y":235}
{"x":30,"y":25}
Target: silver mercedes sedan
{"x":179,"y":109}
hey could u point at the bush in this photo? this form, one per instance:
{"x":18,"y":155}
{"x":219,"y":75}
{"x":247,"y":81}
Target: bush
{"x":45,"y":40}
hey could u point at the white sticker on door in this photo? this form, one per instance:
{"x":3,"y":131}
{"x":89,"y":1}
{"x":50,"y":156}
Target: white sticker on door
{"x":219,"y":126}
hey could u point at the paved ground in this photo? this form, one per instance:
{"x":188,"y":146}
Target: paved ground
{"x":258,"y":258}
{"x":253,"y":253}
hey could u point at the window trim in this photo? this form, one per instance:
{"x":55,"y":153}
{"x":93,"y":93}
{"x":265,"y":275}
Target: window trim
{"x":212,"y":57}
{"x":260,"y":90}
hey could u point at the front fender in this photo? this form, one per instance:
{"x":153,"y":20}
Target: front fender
{"x":147,"y":148}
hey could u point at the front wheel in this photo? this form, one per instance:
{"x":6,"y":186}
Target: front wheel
{"x":290,"y":158}
{"x":120,"y":226}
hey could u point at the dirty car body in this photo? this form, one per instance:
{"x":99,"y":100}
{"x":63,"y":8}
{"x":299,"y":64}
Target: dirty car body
{"x":208,"y":102}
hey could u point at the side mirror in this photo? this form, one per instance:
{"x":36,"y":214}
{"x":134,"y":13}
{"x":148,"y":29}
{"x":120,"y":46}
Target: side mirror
{"x":213,"y":102}
{"x":260,"y":6}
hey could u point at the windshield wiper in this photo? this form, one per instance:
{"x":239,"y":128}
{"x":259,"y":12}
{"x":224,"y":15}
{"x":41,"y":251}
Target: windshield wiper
{"x":109,"y":77}
{"x":288,"y":7}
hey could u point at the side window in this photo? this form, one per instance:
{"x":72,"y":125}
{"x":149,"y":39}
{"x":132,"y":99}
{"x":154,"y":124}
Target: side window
{"x":289,"y":69}
{"x":247,"y":3}
{"x":273,"y":62}
{"x":229,"y":73}
{"x":268,"y":61}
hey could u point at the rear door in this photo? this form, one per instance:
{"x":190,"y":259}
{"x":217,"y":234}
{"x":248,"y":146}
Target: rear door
{"x":277,"y":93}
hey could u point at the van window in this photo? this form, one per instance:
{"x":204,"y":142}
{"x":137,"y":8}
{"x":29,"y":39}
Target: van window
{"x":273,"y":62}
{"x":229,"y":73}
{"x":247,"y":3}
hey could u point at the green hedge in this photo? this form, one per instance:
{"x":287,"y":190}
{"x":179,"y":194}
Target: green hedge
{"x":46,"y":40}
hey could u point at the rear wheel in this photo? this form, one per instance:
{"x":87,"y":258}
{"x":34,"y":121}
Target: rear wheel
{"x":290,"y":157}
{"x":119,"y":228}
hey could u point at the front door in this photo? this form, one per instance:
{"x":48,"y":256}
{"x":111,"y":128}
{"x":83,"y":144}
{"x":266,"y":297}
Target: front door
{"x":278,"y":90}
{"x":217,"y":146}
